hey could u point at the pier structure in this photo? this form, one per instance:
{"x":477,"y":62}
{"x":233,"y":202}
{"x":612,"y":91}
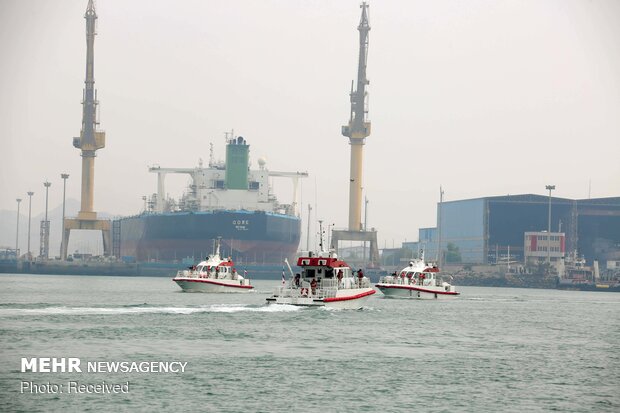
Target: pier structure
{"x":357,"y":130}
{"x":90,"y":140}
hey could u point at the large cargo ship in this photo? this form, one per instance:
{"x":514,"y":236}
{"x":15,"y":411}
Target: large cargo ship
{"x":226,"y":200}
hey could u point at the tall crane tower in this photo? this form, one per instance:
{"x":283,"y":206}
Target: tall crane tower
{"x":90,"y":140}
{"x":357,"y":130}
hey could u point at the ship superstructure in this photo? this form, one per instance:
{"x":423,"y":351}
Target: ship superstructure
{"x":226,"y":200}
{"x":226,"y":185}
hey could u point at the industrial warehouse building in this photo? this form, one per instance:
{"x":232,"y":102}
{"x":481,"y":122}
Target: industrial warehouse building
{"x":480,"y":230}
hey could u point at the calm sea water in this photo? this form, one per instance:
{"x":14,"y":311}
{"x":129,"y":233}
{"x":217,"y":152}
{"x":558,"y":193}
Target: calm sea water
{"x":490,"y":350}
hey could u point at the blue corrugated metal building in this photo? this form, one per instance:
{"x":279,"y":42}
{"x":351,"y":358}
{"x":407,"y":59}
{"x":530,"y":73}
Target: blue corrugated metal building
{"x":483,"y":228}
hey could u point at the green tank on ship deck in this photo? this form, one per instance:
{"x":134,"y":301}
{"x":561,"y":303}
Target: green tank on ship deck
{"x":237,"y":160}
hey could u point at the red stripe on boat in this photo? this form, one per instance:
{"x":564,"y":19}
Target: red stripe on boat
{"x":406,"y":287}
{"x":193,"y":280}
{"x":352,"y":297}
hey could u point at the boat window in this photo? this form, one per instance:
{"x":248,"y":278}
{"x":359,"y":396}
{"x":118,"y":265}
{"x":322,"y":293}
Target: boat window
{"x":329,"y":273}
{"x":309,"y":273}
{"x":199,"y":268}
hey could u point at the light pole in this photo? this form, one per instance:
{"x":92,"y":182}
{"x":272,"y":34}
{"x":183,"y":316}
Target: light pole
{"x":550,"y":188}
{"x":308,"y":232}
{"x":439,"y":254}
{"x":63,"y":247}
{"x":19,"y":200}
{"x":365,"y":228}
{"x":30,"y":194}
{"x":46,"y":225}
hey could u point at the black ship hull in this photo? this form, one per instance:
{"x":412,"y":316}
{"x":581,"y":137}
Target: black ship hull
{"x":249,"y":237}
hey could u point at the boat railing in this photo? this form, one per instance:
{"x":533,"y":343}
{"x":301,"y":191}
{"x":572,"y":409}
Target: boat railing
{"x":211,"y":275}
{"x":188,"y":274}
{"x":287,"y":291}
{"x":329,"y":283}
{"x":391,"y":279}
{"x":364,"y":283}
{"x":398,"y":280}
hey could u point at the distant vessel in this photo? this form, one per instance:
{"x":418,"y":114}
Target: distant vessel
{"x":226,"y":200}
{"x":324,"y":281}
{"x":579,"y":276}
{"x":418,"y":280}
{"x":213,"y":275}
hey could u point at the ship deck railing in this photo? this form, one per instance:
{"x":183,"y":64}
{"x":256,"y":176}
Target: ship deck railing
{"x":210,"y":276}
{"x":327,"y":288}
{"x":391,"y":279}
{"x":301,"y":292}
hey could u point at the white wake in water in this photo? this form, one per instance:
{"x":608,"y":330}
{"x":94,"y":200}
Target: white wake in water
{"x":216,"y":308}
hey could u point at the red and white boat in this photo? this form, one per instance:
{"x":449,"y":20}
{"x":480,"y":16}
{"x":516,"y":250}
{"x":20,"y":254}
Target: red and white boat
{"x":213,"y":275}
{"x":418,"y":280}
{"x":324,"y":281}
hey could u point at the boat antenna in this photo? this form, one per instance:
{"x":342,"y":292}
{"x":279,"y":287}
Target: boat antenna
{"x":321,"y":235}
{"x":290,"y":270}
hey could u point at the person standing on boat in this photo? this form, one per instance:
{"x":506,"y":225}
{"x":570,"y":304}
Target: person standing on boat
{"x":339,"y":276}
{"x":297,"y":279}
{"x":313,"y":286}
{"x":360,"y":276}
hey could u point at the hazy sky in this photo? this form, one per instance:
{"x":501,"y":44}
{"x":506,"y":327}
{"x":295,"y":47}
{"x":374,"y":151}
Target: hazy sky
{"x":483,"y":97}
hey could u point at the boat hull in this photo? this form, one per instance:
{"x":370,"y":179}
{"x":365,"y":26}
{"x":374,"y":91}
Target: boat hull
{"x":420,"y":293}
{"x":351,"y":299}
{"x":580,"y":286}
{"x":194,"y":285}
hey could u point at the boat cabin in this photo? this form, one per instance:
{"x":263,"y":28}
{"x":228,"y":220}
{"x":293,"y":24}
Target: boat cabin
{"x":326,"y":271}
